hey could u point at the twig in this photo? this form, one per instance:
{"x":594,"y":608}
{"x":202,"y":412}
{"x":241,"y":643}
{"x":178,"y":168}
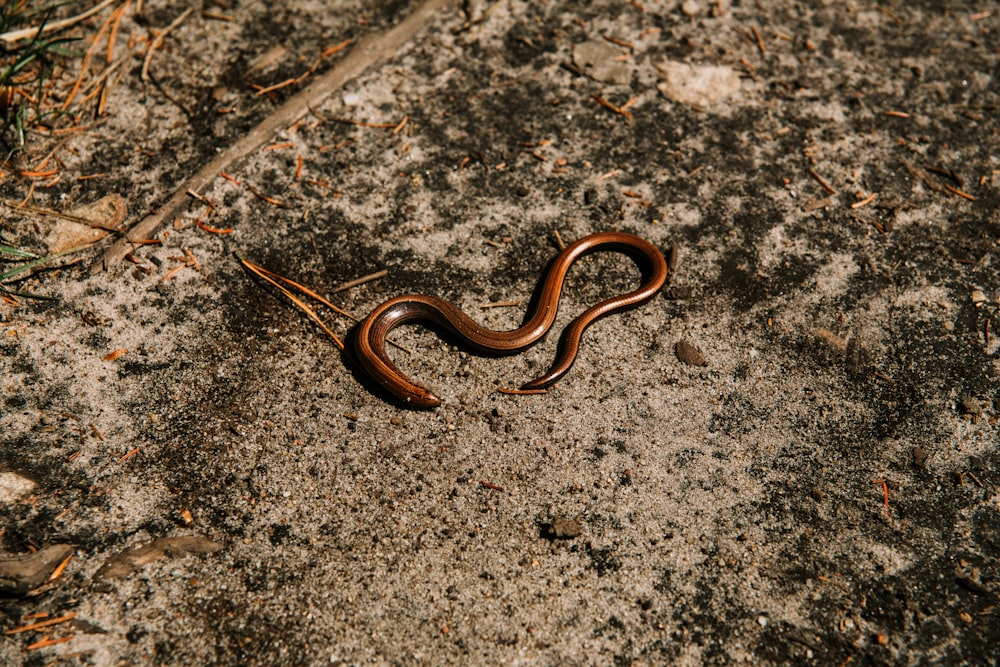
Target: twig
{"x":623,"y":110}
{"x":360,"y":281}
{"x":158,"y":40}
{"x":369,"y":52}
{"x":823,"y":184}
{"x":24,"y":33}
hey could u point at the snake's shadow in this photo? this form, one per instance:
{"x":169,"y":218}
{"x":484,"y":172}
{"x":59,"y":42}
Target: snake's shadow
{"x":350,"y":359}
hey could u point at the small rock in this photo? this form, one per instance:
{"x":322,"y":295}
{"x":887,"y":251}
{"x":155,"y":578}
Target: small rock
{"x":977,"y":296}
{"x":13,"y":487}
{"x":971,"y":406}
{"x":817,"y":493}
{"x":678,"y":292}
{"x":691,"y":8}
{"x":563,"y":528}
{"x":597,"y":60}
{"x":689,"y":354}
{"x":697,"y":85}
{"x":919,"y":457}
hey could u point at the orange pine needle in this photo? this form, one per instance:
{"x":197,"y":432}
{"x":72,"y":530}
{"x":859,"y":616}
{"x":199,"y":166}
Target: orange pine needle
{"x":41,"y":624}
{"x":85,"y":64}
{"x":333,"y":49}
{"x":56,"y":573}
{"x":48,"y":641}
{"x":117,"y":18}
{"x":263,"y":274}
{"x":129,"y":455}
{"x":213,"y":230}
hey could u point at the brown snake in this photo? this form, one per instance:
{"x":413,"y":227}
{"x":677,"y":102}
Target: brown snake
{"x":369,"y":340}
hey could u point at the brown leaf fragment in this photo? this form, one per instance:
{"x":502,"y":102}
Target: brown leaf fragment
{"x":132,"y":559}
{"x":86,"y":224}
{"x":22,"y":574}
{"x":816,"y":204}
{"x":689,"y":354}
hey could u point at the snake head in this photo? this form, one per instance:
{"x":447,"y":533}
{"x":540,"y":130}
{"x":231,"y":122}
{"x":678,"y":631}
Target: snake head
{"x":422,"y":399}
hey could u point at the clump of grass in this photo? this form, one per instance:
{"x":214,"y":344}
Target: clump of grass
{"x":25,"y":67}
{"x":25,"y":263}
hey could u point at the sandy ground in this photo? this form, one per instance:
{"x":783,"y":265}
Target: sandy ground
{"x":823,"y":491}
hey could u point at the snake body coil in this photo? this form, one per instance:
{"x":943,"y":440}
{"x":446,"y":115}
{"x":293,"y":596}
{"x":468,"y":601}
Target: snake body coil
{"x":369,"y":341}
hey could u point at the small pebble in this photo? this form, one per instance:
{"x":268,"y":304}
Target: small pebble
{"x":689,"y":354}
{"x":971,"y":406}
{"x":563,"y":528}
{"x":691,"y":8}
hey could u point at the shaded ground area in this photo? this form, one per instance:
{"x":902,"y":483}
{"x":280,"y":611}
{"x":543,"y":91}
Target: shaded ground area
{"x":823,"y":491}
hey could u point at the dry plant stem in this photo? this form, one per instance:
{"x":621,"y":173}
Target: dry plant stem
{"x":263,"y":274}
{"x":369,"y":52}
{"x":24,"y":33}
{"x":55,"y":214}
{"x":158,"y":40}
{"x":267,"y":275}
{"x":360,"y":281}
{"x":85,"y":64}
{"x":302,"y":288}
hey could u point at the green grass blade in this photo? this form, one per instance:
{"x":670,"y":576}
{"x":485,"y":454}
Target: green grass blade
{"x":10,"y":252}
{"x":10,"y":274}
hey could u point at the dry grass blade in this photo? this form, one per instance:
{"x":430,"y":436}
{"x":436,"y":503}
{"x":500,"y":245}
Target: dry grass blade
{"x":266,"y":275}
{"x":271,"y":277}
{"x":25,"y":33}
{"x":158,"y":41}
{"x":302,"y":288}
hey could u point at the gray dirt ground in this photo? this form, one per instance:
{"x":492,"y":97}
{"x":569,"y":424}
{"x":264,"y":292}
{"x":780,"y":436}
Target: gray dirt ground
{"x":824,"y":491}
